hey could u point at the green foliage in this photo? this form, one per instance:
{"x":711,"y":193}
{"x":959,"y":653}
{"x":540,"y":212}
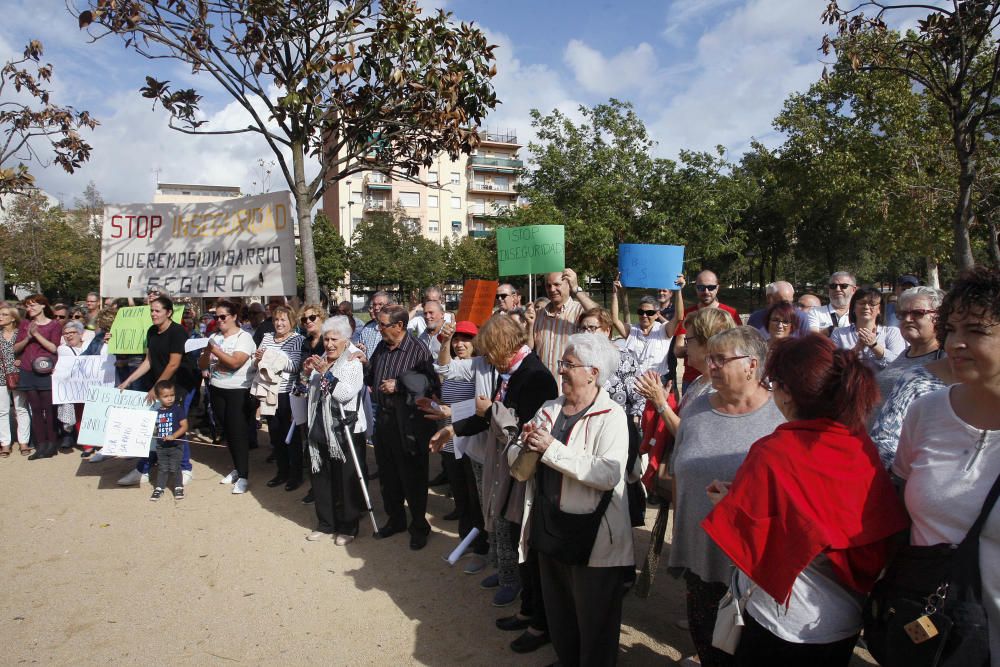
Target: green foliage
{"x":331,"y":255}
{"x":388,"y":252}
{"x":470,"y":258}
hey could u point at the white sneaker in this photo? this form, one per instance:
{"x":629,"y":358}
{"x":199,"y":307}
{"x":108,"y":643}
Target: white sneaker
{"x":186,"y":476}
{"x":240,"y":486}
{"x":230,"y":478}
{"x":132,"y":478}
{"x":97,"y":457}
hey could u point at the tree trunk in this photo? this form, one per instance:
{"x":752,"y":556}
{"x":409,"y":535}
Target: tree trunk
{"x":994,"y":242}
{"x":963,"y":214}
{"x":303,"y":204}
{"x":933,"y":279}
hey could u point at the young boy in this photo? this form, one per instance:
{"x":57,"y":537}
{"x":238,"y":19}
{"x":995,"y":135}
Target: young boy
{"x":171,"y":424}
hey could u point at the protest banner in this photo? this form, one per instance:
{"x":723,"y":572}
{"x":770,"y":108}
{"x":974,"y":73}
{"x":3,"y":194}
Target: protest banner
{"x":95,"y":411}
{"x":234,"y":247}
{"x":533,"y":249}
{"x":74,"y":376}
{"x":128,"y":432}
{"x":128,"y":331}
{"x":478,"y":299}
{"x":652,"y":266}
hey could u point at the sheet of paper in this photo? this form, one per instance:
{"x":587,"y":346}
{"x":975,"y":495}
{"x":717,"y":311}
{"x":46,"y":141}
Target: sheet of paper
{"x":128,"y":432}
{"x":192,"y":344}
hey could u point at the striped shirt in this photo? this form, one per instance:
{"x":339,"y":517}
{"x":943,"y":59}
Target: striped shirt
{"x":368,"y":335}
{"x":452,"y":392}
{"x":386,"y":364}
{"x":292,"y":347}
{"x":552,"y":333}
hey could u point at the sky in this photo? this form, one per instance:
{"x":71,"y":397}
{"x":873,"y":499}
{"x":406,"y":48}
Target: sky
{"x":700,"y":73}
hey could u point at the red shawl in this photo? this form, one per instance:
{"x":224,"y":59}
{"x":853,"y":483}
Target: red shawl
{"x":657,"y":440}
{"x":810,"y":487}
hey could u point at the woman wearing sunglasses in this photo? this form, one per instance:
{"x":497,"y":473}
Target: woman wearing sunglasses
{"x":311,"y":326}
{"x":650,"y":338}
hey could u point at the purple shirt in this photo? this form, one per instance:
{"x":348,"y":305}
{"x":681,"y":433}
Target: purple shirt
{"x":52,"y":331}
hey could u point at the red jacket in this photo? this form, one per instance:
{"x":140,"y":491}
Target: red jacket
{"x":810,"y":487}
{"x":657,"y":440}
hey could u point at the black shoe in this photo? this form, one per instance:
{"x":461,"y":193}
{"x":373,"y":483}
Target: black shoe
{"x":372,"y":476}
{"x":528,"y":642}
{"x":44,"y":450}
{"x":454,"y":515}
{"x":308,"y":499}
{"x":276,"y":481}
{"x":653,"y":500}
{"x":388,"y":530}
{"x":418,"y":541}
{"x":293,"y":484}
{"x":440,"y":480}
{"x":513,"y":623}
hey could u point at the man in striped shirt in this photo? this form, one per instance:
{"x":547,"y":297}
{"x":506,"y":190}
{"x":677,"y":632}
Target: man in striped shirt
{"x":557,"y":322}
{"x":368,"y":337}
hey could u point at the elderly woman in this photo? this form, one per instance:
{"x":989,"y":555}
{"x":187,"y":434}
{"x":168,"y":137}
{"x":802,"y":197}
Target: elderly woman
{"x":69,"y":414}
{"x":949,"y":448}
{"x":916,"y":310}
{"x":279,"y":418}
{"x":511,"y":376}
{"x":650,"y":338}
{"x":311,"y":326}
{"x":229,"y":356}
{"x":582,"y":440}
{"x":712,"y":441}
{"x":10,"y":397}
{"x":38,"y":338}
{"x":782,"y":321}
{"x":876,"y":344}
{"x":809,"y":515}
{"x":335,"y":383}
{"x":621,"y":385}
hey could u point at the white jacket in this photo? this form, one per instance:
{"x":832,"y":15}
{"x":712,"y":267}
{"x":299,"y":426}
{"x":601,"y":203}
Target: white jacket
{"x":485,"y":377}
{"x":592,"y":462}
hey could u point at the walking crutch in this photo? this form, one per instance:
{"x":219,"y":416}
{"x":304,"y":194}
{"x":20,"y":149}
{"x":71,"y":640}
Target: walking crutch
{"x":357,"y":466}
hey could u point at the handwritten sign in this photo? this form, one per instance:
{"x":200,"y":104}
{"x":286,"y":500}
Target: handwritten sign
{"x":99,"y":402}
{"x":652,"y":266}
{"x":74,"y":376}
{"x":478,"y":299}
{"x":128,"y":331}
{"x":532,"y":249}
{"x":128,"y":432}
{"x":234,"y":247}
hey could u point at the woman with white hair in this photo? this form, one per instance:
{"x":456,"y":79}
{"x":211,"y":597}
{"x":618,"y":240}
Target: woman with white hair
{"x":575,"y":513}
{"x":70,"y":414}
{"x":335,"y":382}
{"x":712,"y":441}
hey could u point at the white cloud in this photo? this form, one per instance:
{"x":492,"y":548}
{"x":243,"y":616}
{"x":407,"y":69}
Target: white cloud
{"x":684,"y":16}
{"x":632,"y":69}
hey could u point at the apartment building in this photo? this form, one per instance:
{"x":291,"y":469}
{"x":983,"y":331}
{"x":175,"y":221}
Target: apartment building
{"x":189,"y":193}
{"x":465,"y":195}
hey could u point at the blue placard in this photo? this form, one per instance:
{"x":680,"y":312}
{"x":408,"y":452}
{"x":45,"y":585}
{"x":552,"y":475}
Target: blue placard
{"x":651,"y":266}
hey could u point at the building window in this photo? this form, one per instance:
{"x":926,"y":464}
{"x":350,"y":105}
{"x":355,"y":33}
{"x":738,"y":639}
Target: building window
{"x":456,"y":178}
{"x":409,"y":199}
{"x":432,"y":226}
{"x":456,"y":203}
{"x":456,"y":226}
{"x":432,"y":201}
{"x":478,"y":206}
{"x":432,"y":176}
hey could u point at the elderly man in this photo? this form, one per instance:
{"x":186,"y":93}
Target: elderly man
{"x":93,"y":307}
{"x":368,"y":337}
{"x":402,"y":434}
{"x":418,"y":322}
{"x":508,"y":298}
{"x":434,"y":319}
{"x":904,"y":283}
{"x":776,"y":292}
{"x":807,"y":302}
{"x":706,"y":285}
{"x":826,"y":318}
{"x":550,"y":328}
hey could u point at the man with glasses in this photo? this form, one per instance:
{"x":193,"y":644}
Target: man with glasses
{"x":508,"y":298}
{"x":402,"y":434}
{"x":550,"y":328}
{"x":368,"y":337}
{"x":774,"y":293}
{"x":836,"y":313}
{"x":706,"y":286}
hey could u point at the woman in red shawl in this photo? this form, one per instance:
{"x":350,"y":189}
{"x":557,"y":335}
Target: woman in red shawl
{"x":808,"y":517}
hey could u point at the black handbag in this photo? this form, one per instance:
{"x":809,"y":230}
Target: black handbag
{"x":635,"y":492}
{"x":569,"y":538}
{"x":927,"y":610}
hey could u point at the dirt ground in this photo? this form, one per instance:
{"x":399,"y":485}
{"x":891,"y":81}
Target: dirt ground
{"x":94,"y":573}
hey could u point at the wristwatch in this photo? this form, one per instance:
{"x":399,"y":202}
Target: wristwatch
{"x":577,"y":290}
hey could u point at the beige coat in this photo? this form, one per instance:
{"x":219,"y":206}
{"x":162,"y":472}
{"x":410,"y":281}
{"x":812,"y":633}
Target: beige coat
{"x":592,"y":462}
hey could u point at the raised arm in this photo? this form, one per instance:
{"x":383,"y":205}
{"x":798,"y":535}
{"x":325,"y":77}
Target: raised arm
{"x":620,"y":327}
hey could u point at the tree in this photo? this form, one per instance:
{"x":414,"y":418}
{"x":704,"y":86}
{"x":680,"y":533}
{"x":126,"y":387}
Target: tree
{"x":470,"y":258}
{"x":331,"y":254}
{"x":360,"y":84}
{"x":388,"y":251}
{"x":953,"y":56}
{"x":29,"y":118}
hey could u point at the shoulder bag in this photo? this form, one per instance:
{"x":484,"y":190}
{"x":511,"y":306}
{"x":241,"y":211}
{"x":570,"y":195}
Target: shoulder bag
{"x":729,"y":619}
{"x":927,"y":610}
{"x":569,"y":538}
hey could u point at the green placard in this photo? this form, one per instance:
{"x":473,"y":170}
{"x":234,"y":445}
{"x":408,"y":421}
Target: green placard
{"x":532,"y":249}
{"x":128,"y":333}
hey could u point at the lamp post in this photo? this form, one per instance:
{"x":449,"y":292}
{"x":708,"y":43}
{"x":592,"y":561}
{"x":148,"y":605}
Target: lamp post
{"x":350,"y":232}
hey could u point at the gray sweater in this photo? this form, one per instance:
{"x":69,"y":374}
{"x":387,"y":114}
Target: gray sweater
{"x":710,"y":445}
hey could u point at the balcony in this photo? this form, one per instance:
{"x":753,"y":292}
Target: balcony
{"x":483,"y":163}
{"x":507,"y":137}
{"x":479,"y":233}
{"x":378,"y":181}
{"x":377,"y":205}
{"x":493,"y":188}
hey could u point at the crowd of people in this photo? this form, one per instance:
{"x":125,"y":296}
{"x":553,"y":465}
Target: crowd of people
{"x":795,"y":452}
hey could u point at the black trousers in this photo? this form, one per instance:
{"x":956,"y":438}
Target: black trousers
{"x":532,"y":598}
{"x":339,"y":500}
{"x":232,"y":407}
{"x":702,"y":609}
{"x":463,"y":489}
{"x":584,"y":609}
{"x":758,"y":647}
{"x":402,"y":476}
{"x":288,"y":457}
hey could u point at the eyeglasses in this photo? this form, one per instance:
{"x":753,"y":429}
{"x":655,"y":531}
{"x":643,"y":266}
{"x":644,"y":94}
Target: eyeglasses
{"x":308,"y":318}
{"x":71,"y":332}
{"x":916,"y":313}
{"x":153,"y":292}
{"x":78,"y":316}
{"x":589,"y":328}
{"x":503,"y":296}
{"x":870,"y":304}
{"x":568,"y":365}
{"x":840,"y":286}
{"x":61,"y":317}
{"x":780,"y":323}
{"x":706,"y":288}
{"x":386,"y":325}
{"x":647,"y":313}
{"x":222,"y":317}
{"x":720,"y":360}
